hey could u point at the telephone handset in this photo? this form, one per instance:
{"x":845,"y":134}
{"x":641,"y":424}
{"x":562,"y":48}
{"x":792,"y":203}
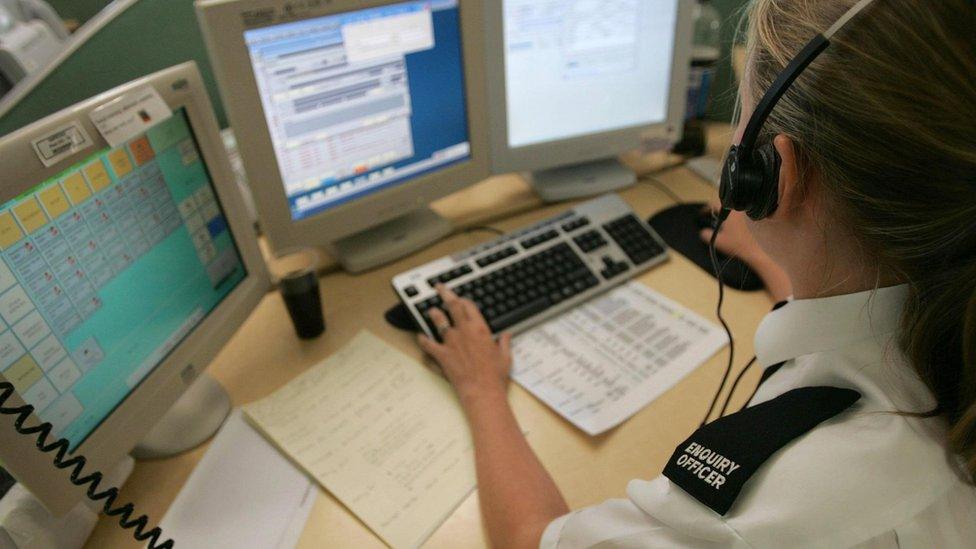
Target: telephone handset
{"x":76,"y":465}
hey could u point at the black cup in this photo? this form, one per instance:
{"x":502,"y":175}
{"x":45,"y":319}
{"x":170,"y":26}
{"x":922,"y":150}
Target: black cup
{"x":300,"y":290}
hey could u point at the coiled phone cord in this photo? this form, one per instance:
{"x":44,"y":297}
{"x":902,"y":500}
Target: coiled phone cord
{"x":60,"y":449}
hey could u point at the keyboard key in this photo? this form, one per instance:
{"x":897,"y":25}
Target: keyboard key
{"x":614,"y":269}
{"x":453,"y":274}
{"x":576,"y":224}
{"x":518,"y":315}
{"x":539,"y":239}
{"x":590,"y":241}
{"x":634,"y":238}
{"x":496,"y":256}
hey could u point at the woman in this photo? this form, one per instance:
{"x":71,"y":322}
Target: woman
{"x":875,"y":235}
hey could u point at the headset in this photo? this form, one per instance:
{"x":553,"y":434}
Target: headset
{"x":750,"y":176}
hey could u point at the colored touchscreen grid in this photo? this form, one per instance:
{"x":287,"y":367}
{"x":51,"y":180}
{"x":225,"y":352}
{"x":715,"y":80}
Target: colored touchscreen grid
{"x":69,"y":239}
{"x":62,"y":243}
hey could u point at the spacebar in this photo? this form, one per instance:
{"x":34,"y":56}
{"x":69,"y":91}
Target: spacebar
{"x":518,"y":315}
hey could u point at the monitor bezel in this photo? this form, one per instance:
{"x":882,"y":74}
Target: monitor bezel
{"x":584,"y":148}
{"x":223,"y":26}
{"x":181,"y":87}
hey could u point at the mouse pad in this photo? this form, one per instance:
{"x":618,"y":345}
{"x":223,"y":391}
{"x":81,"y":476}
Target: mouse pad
{"x":679,"y":227}
{"x":400,"y":318}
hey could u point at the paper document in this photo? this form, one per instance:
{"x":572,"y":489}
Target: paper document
{"x":243,"y":493}
{"x":382,"y":433}
{"x":602,"y":362}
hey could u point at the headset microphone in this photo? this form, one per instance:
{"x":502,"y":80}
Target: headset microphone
{"x":750,"y":177}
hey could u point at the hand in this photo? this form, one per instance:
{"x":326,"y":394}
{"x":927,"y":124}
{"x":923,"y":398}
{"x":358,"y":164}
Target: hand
{"x":472,"y":361}
{"x":734,"y":238}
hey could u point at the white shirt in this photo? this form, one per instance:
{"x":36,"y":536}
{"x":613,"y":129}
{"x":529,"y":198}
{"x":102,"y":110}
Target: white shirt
{"x":861,"y":479}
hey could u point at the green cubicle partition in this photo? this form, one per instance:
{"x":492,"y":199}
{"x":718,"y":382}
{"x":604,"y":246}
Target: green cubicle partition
{"x":79,"y":10}
{"x":148,"y":36}
{"x":723,"y":96}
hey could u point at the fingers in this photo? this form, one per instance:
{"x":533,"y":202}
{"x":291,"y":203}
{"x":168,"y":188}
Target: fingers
{"x":440,"y":320}
{"x":474,"y":316}
{"x":706,"y":235}
{"x":453,"y":304}
{"x":431,"y":347}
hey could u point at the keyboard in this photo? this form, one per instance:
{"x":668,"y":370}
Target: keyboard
{"x":525,"y":277}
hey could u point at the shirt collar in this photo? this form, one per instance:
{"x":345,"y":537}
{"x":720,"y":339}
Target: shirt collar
{"x":807,"y":326}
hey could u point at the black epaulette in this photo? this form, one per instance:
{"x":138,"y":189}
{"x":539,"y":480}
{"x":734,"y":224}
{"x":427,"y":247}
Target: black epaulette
{"x":716,"y":461}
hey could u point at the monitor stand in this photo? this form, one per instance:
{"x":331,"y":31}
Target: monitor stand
{"x":581,"y":180}
{"x":195,"y":417}
{"x":391,"y":240}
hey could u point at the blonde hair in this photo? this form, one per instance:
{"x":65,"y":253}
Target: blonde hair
{"x":886,"y":120}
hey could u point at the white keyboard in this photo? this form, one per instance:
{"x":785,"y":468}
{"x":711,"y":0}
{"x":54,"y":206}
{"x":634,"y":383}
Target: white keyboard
{"x":530,"y":275}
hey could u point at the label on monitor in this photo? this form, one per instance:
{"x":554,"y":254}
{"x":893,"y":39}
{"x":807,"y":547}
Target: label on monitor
{"x":130,"y":115}
{"x":62,"y":143}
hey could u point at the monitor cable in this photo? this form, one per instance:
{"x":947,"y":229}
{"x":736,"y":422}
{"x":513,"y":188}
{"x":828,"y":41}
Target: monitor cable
{"x":661,"y":186}
{"x":76,"y":464}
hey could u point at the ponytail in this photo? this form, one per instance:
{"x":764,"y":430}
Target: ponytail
{"x":939,"y":338}
{"x":962,"y":432}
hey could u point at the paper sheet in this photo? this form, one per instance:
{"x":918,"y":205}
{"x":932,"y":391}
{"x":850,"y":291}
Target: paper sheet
{"x":381,"y":432}
{"x":243,"y":493}
{"x":600,"y":363}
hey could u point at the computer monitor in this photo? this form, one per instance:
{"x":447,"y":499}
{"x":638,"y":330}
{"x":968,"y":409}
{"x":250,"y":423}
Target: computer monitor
{"x":351,"y":116}
{"x":577,"y":82}
{"x":123,"y":271}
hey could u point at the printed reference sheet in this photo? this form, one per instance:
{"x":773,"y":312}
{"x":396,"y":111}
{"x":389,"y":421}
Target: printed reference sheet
{"x":382,"y":433}
{"x":600,"y":363}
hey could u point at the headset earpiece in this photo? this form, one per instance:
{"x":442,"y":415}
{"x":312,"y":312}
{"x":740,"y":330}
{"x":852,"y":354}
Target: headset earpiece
{"x":768,"y":160}
{"x":750,"y":182}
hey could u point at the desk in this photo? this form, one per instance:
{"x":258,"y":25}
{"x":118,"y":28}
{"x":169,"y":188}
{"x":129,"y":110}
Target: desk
{"x":265,"y":354}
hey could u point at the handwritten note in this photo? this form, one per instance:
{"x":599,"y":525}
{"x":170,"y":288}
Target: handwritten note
{"x":382,"y":433}
{"x":599,"y":364}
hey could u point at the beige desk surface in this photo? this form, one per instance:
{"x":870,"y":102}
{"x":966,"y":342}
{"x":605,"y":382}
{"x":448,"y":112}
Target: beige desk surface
{"x":265,"y":354}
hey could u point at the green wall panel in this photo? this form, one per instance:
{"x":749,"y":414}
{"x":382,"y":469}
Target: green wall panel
{"x":80,"y":10}
{"x":723,"y":96}
{"x":151,"y":35}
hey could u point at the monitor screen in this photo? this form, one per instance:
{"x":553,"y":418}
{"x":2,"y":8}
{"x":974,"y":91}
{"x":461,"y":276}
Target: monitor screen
{"x":361,"y":101}
{"x":104,"y":269}
{"x":580,"y":67}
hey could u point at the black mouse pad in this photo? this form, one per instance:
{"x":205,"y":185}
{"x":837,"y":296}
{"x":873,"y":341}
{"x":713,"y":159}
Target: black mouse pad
{"x":679,"y":227}
{"x":400,"y":318}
